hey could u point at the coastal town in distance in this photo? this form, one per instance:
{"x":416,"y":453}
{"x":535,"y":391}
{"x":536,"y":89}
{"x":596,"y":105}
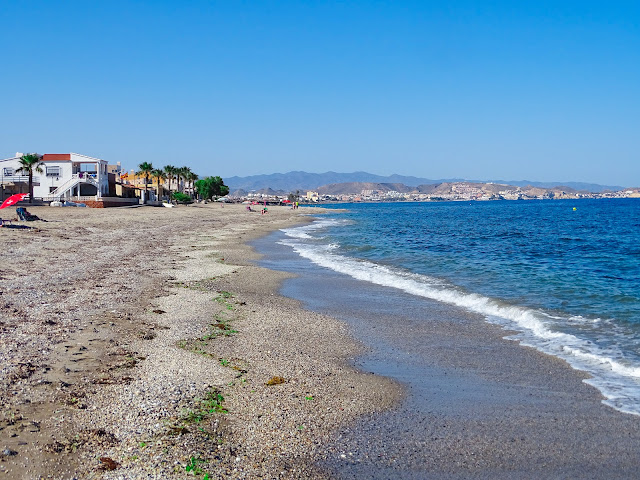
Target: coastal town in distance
{"x":453,"y":191}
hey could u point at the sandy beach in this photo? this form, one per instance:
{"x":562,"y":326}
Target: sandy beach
{"x":149,"y":343}
{"x":144,"y":343}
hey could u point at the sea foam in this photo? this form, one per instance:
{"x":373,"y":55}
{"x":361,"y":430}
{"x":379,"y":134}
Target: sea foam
{"x":617,"y":378}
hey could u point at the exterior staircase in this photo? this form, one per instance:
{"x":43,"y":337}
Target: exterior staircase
{"x":72,"y":182}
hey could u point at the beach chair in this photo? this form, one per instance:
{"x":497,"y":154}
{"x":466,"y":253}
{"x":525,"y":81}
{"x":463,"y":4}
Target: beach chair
{"x":20,"y":212}
{"x":24,"y":215}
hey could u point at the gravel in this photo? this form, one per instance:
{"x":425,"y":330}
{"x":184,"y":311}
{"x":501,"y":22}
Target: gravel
{"x":139,"y":344}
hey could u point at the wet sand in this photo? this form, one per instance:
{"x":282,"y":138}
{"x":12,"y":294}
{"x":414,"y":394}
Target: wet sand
{"x":476,"y":405}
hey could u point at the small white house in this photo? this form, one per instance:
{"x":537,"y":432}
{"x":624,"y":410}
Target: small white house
{"x":64,"y":176}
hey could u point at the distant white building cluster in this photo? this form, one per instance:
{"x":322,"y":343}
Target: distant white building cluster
{"x":467,"y":191}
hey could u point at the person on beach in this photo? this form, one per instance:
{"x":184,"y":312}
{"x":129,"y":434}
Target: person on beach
{"x":23,"y":214}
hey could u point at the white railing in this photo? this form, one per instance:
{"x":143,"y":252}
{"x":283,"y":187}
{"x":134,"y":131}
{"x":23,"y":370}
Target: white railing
{"x":117,"y":199}
{"x":75,"y":179}
{"x":85,"y":177}
{"x":14,"y":178}
{"x":91,"y":198}
{"x":75,"y":198}
{"x":64,"y":187}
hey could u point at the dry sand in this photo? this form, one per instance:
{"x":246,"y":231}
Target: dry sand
{"x":126,"y":334}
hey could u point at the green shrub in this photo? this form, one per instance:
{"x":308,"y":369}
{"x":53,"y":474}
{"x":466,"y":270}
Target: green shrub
{"x":181,"y":197}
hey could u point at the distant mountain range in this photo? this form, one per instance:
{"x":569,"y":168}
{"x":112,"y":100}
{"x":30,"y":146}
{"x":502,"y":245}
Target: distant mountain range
{"x":298,"y":180}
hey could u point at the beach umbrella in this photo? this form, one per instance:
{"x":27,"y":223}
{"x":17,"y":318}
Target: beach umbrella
{"x":13,"y":199}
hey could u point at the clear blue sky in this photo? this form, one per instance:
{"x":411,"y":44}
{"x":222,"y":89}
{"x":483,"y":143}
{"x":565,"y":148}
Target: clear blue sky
{"x":544,"y":90}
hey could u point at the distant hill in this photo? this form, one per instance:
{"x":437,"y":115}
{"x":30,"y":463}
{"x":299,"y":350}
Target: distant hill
{"x":264,"y":191}
{"x":356,"y":187}
{"x":292,"y":181}
{"x":298,"y":180}
{"x":445,"y":189}
{"x":579,"y":186}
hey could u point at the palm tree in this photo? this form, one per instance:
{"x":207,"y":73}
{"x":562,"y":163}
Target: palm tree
{"x":170,"y":172}
{"x":192,"y":177}
{"x":159,"y":175}
{"x":28,"y":163}
{"x":177,"y":173}
{"x":180,"y":173}
{"x":185,"y":171}
{"x":145,"y":169}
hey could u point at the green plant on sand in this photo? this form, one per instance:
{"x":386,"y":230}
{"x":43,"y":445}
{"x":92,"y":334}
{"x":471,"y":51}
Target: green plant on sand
{"x":210,"y":404}
{"x":193,"y":467}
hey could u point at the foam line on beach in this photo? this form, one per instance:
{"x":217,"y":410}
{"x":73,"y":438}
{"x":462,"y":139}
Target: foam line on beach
{"x":617,"y":378}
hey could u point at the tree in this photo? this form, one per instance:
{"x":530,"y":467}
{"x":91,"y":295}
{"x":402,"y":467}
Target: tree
{"x":209,"y":187}
{"x":182,"y":197}
{"x":192,"y":177}
{"x":145,"y":168}
{"x":159,"y":175}
{"x":294,"y":197}
{"x":182,"y":172}
{"x":28,"y":163}
{"x":170,"y":172}
{"x":178,"y":173}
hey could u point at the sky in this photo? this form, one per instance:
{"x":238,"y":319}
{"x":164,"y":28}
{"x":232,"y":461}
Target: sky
{"x":511,"y":90}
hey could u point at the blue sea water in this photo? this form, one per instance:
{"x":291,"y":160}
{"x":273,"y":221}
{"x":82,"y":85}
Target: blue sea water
{"x":564,"y":275}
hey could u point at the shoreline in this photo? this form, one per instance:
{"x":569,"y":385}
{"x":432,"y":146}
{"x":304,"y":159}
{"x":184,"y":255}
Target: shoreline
{"x":131,"y":360}
{"x":478,"y":405}
{"x":595,"y":332}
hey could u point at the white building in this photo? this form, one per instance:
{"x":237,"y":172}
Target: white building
{"x":64,"y":176}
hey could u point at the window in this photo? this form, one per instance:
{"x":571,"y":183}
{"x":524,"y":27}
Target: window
{"x":8,"y":172}
{"x":88,"y":168}
{"x":53,"y":171}
{"x":52,"y":189}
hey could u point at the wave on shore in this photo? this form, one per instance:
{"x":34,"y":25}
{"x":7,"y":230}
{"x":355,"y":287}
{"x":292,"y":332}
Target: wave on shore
{"x":615,"y":374}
